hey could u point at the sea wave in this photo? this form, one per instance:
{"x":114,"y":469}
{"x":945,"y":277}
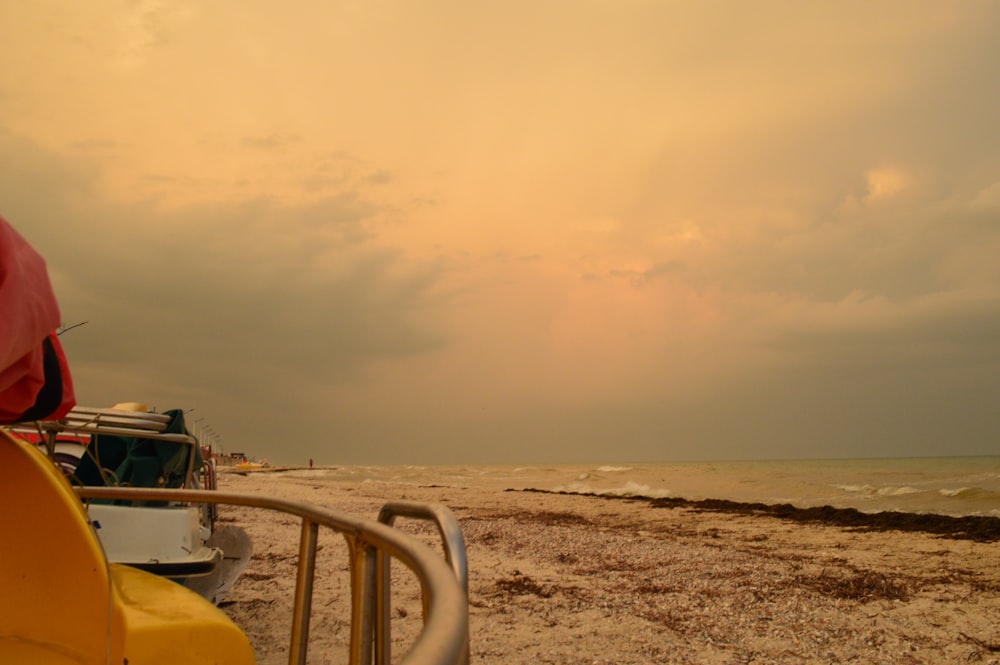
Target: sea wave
{"x":977,"y":493}
{"x":960,"y":488}
{"x":856,"y":489}
{"x":884,"y":491}
{"x":304,"y":473}
{"x":898,"y":491}
{"x":628,"y":489}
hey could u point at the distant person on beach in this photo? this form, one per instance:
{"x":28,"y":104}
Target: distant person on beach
{"x":310,"y":462}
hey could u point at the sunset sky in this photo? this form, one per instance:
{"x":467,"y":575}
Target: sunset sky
{"x":520,"y":232}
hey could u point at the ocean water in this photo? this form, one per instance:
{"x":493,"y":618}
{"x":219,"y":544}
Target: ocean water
{"x":940,"y":485}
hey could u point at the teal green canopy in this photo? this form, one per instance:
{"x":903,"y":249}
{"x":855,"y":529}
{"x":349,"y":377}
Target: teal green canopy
{"x":139,"y":462}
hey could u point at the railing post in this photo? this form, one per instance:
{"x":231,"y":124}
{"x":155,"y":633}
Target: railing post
{"x":448,"y":528}
{"x":362,"y":599}
{"x":383,"y":602}
{"x":303,"y":593}
{"x":454,"y":553}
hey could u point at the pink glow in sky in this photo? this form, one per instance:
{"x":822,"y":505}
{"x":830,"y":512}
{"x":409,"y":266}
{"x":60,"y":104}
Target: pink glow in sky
{"x":514,"y":232}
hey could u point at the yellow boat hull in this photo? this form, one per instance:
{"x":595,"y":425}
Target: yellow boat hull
{"x":64,"y":604}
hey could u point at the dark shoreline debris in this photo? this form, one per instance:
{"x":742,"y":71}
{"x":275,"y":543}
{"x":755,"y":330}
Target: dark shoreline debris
{"x":979,"y":528}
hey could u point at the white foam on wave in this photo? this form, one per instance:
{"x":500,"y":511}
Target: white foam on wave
{"x":637,"y":489}
{"x":871,"y":490}
{"x":857,"y":489}
{"x":977,"y":493}
{"x":613,"y":469}
{"x":897,"y":491}
{"x":628,"y":489}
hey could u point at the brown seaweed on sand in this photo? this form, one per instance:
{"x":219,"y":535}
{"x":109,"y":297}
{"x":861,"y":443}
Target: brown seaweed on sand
{"x":980,"y":528}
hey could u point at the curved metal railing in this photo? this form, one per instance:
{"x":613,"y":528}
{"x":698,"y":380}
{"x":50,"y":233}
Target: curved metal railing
{"x":454,"y":554}
{"x":444,"y":639}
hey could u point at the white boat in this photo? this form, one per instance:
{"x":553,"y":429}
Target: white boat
{"x":65,"y":603}
{"x":129,"y":446}
{"x":168,"y":530}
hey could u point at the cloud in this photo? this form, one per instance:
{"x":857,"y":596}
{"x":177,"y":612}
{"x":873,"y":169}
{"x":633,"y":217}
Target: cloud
{"x":641,"y":230}
{"x":272,"y":141}
{"x":145,"y":25}
{"x":218,"y":297}
{"x":884,"y":183}
{"x":988,"y":197}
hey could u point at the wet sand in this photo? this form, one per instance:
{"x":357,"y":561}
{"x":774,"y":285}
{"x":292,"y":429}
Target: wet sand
{"x":565,"y":578}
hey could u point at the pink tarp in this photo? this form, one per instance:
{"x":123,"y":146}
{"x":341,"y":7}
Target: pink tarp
{"x":34,"y":378}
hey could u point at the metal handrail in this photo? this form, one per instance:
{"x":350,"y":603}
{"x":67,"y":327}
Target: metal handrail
{"x":454,"y":554}
{"x":444,"y":639}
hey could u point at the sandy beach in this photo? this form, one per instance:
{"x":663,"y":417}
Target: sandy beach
{"x":562,"y":578}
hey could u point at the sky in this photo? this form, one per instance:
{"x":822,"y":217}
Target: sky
{"x":520,"y":232}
